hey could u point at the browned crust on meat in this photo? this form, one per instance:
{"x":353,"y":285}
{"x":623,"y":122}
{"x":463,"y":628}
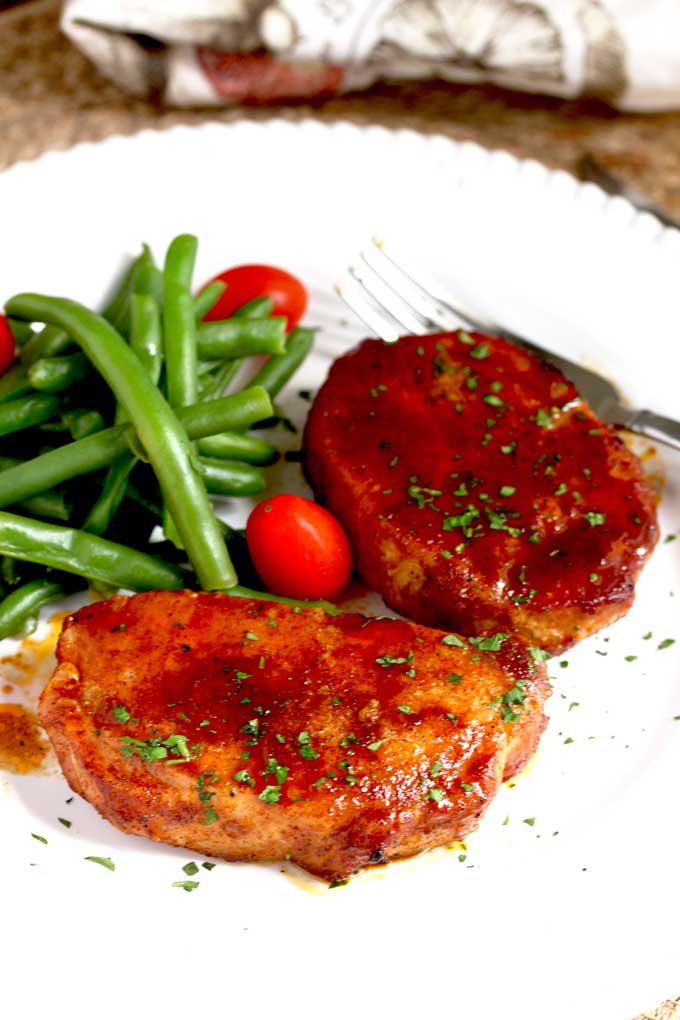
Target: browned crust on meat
{"x":381,"y":759}
{"x":479,"y":491}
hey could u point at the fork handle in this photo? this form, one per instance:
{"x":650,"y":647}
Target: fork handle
{"x":656,"y":426}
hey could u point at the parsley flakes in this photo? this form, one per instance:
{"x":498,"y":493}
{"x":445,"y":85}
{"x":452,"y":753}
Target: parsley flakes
{"x":105,"y":862}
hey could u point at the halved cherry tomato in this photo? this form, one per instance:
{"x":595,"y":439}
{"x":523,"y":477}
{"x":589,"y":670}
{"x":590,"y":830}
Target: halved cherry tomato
{"x":298,"y":548}
{"x":7,"y":346}
{"x":247,"y":282}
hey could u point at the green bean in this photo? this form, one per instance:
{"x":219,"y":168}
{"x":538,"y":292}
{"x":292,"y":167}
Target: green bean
{"x":229,"y":478}
{"x":179,"y":336}
{"x":21,"y":331}
{"x":112,"y":495}
{"x":265,"y":596}
{"x":8,"y":571}
{"x":83,"y":422}
{"x":276,"y":372}
{"x":25,"y":412}
{"x":14,"y":382}
{"x":214,"y":384}
{"x":240,"y":337}
{"x":61,"y":464}
{"x":225,"y":414}
{"x":99,"y":450}
{"x":237,"y":446}
{"x":208,"y":298}
{"x":142,"y":276}
{"x":50,"y":342}
{"x":45,"y":504}
{"x":158,"y":429}
{"x":145,"y":334}
{"x":19,"y":610}
{"x":179,"y":327}
{"x":54,"y":375}
{"x":145,"y":341}
{"x":148,"y":279}
{"x":206,"y":368}
{"x":256,"y":308}
{"x":77,"y":552}
{"x":50,"y":504}
{"x":121,"y":293}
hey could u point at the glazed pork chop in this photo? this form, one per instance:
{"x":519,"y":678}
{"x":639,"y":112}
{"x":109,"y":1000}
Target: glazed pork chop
{"x":255,"y":731}
{"x":480,"y":493}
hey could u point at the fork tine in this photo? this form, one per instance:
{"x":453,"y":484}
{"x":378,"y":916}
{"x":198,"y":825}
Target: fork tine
{"x":431,"y":312}
{"x":389,"y":299}
{"x":369,"y":314}
{"x":442,"y":314}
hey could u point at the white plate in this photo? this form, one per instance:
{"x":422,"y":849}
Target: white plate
{"x":572,"y":916}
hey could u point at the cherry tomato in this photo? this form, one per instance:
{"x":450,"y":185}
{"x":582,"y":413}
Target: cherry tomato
{"x":298,"y":548}
{"x":247,"y":282}
{"x":7,"y":347}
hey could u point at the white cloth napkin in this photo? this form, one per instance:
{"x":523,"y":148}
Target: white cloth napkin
{"x":198,"y":52}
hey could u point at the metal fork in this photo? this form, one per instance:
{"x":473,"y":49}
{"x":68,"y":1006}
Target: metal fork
{"x":391,"y":302}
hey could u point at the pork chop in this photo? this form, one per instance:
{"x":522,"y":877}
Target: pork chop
{"x":255,"y":731}
{"x":479,"y":491}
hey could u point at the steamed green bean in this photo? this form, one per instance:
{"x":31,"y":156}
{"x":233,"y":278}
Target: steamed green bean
{"x":158,"y":429}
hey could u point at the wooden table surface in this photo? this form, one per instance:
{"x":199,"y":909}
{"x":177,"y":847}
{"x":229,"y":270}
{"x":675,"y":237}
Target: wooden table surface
{"x":51,"y":97}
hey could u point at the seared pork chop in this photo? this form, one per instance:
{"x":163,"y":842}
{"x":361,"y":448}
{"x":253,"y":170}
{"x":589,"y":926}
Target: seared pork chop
{"x":480,"y":493}
{"x":254,"y":731}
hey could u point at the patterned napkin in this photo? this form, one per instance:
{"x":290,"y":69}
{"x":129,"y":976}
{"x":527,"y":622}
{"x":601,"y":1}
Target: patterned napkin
{"x":214,"y":52}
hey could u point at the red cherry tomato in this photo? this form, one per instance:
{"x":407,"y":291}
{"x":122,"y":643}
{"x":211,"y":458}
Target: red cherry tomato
{"x":247,"y":282}
{"x":298,"y":548}
{"x":7,"y":347}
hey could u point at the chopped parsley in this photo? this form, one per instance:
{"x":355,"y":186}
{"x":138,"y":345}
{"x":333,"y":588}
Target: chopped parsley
{"x":105,"y":862}
{"x":187,"y":884}
{"x":389,"y":660}
{"x":513,"y":698}
{"x":421,"y":495}
{"x":462,"y":521}
{"x":489,"y":644}
{"x":280,"y":772}
{"x":156,"y":749}
{"x":205,"y":796}
{"x":305,"y":747}
{"x":453,"y":640}
{"x":271,"y":795}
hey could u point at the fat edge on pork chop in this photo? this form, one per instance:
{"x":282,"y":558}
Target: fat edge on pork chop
{"x":255,"y":731}
{"x":479,"y":491}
